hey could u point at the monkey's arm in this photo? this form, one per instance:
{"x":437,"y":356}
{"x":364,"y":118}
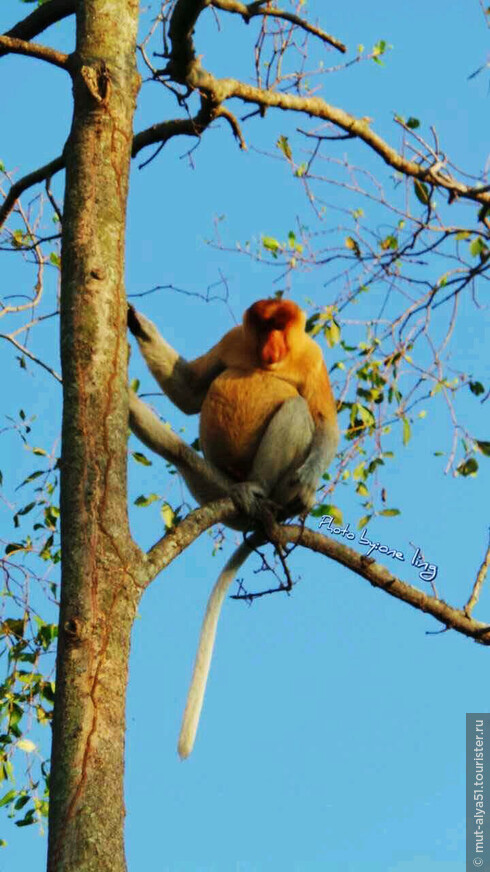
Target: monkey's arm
{"x":184,"y":383}
{"x":204,"y":481}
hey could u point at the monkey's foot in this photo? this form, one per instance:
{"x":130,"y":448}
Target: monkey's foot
{"x":249,"y":497}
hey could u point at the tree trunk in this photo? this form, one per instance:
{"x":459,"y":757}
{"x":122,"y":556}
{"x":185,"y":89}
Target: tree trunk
{"x":99,"y":589}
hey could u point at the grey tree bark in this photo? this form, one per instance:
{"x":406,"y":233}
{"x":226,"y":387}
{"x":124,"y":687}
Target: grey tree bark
{"x":99,"y":591}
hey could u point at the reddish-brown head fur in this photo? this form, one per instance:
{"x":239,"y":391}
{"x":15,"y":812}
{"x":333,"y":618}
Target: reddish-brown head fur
{"x":271,"y":322}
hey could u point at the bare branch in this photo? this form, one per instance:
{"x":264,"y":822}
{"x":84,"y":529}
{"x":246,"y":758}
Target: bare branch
{"x":233,"y":122}
{"x":157,"y":133}
{"x":480,"y":578}
{"x":195,"y":126}
{"x":251,"y":10}
{"x":11,"y":45}
{"x":42,"y":17}
{"x":31,"y":356}
{"x":379,"y":576}
{"x":176,"y":540}
{"x":164,"y":131}
{"x":171,"y":545}
{"x":39,"y":175}
{"x":185,"y":68}
{"x":225,"y":89}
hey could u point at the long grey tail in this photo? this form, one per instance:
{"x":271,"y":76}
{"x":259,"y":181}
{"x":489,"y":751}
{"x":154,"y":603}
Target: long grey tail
{"x":195,"y":697}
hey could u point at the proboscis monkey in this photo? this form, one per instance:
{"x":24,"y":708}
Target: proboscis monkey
{"x":268,"y":430}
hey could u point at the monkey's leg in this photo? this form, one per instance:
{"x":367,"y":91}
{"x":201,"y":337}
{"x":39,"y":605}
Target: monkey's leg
{"x":293,"y":455}
{"x":204,"y":481}
{"x":284,"y":448}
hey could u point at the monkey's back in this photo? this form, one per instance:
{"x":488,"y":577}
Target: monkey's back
{"x":235,"y":413}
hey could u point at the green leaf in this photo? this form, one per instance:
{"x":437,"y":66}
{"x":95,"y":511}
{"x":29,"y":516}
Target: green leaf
{"x":366,"y":416}
{"x":168,"y":515}
{"x":476,"y":246}
{"x":332,"y":333}
{"x":8,"y":797}
{"x":390,"y":513}
{"x":468,"y":467}
{"x":271,"y":244}
{"x":484,"y":447}
{"x":13,"y":547}
{"x":389,"y":242}
{"x":21,"y":802}
{"x":351,"y":244}
{"x":146,"y":501}
{"x":476,"y":388}
{"x":31,"y":477}
{"x":328,"y":509}
{"x":407,"y":432}
{"x":413,"y":123}
{"x":421,"y":192}
{"x":141,"y":458}
{"x":26,"y":509}
{"x":26,"y":745}
{"x":283,"y":144}
{"x":13,"y":627}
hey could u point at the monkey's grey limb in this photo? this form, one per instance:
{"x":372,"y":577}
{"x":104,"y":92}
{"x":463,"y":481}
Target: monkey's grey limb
{"x":182,"y":382}
{"x":204,"y":481}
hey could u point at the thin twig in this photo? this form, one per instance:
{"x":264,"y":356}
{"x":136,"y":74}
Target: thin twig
{"x":480,"y":578}
{"x":251,"y":10}
{"x":31,"y":356}
{"x":18,"y":188}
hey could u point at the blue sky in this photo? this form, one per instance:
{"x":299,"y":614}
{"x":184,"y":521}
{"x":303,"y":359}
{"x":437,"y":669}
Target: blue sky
{"x":332,"y":735}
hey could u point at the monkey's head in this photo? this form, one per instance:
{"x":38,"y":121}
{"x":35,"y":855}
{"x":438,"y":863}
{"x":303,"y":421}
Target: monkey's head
{"x":274,"y":325}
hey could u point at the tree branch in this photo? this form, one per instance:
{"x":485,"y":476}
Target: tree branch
{"x":225,"y":89}
{"x":42,"y":17}
{"x":176,"y":127}
{"x":251,"y":10}
{"x":185,"y":68}
{"x":11,"y":45}
{"x":480,"y":578}
{"x":174,"y":542}
{"x":156,"y":133}
{"x":18,"y":188}
{"x":379,"y":576}
{"x":31,"y":356}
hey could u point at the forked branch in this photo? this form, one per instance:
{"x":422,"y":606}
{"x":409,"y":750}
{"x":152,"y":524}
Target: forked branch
{"x":185,"y":68}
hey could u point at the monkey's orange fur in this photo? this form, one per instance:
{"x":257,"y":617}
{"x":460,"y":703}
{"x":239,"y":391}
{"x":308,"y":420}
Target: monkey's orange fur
{"x":267,"y":359}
